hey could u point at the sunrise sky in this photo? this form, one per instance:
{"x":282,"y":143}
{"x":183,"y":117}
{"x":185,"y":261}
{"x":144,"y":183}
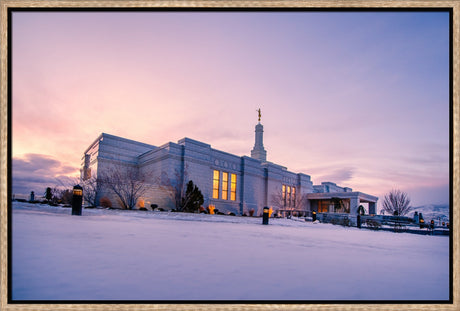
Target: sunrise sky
{"x":356,"y":98}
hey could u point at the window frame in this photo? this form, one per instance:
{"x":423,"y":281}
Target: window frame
{"x":233,"y":183}
{"x":215,"y":184}
{"x":224,"y":193}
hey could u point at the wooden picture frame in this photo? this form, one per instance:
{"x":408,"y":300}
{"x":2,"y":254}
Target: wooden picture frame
{"x":5,"y":114}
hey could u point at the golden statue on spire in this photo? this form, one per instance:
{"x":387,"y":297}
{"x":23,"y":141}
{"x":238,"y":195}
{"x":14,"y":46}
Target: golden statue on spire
{"x":258,"y":110}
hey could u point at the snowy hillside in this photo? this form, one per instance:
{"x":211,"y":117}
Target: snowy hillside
{"x":136,"y":255}
{"x":432,"y":211}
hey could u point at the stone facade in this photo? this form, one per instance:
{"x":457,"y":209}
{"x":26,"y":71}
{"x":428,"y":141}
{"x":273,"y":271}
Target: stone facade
{"x":230,"y":183}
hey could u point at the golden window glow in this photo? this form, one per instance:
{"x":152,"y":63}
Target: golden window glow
{"x":323,"y":206}
{"x":233,"y":187}
{"x":87,"y":174}
{"x":284,"y":195}
{"x":215,"y":185}
{"x":288,"y":199}
{"x":293,"y":197}
{"x":224,"y":186}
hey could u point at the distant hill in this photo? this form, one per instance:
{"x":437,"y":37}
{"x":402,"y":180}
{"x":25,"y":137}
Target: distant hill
{"x":432,"y":211}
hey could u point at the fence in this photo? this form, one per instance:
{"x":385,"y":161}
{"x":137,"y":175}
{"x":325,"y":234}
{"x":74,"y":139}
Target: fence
{"x":383,"y":222}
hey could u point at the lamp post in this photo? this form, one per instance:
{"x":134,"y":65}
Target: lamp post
{"x":77,"y":198}
{"x":265,"y":216}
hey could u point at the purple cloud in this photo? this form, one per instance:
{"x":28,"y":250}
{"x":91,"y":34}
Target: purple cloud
{"x":338,"y":176}
{"x":36,"y":172}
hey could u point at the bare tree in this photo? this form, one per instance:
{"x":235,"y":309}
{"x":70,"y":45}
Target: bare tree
{"x":128,"y":184}
{"x":89,"y":185}
{"x":90,"y":190}
{"x":175,"y":186}
{"x":396,"y":202}
{"x":279,"y":201}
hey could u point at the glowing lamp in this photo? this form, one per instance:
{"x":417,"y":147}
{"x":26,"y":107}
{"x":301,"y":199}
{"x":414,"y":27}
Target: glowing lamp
{"x":265,"y":216}
{"x":77,"y":200}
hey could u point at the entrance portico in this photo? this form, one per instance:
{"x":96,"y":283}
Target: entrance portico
{"x":345,"y":201}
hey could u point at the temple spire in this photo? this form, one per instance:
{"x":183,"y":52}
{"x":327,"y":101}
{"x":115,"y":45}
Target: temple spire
{"x":258,"y":152}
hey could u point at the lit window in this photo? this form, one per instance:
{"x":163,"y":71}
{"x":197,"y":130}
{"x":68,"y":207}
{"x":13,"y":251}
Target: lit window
{"x":284,"y":195}
{"x":288,"y":199}
{"x":293,"y":197}
{"x":88,"y":173}
{"x":224,"y":186}
{"x":215,"y":185}
{"x":233,"y":187}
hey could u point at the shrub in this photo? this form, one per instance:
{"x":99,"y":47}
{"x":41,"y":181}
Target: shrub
{"x":105,"y":202}
{"x":231,"y":214}
{"x":153,"y":206}
{"x":373,"y":224}
{"x":346,"y":222}
{"x":251,"y":212}
{"x":143,"y":209}
{"x":341,"y":221}
{"x":65,"y":196}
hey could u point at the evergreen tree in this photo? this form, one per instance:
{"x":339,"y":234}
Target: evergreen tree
{"x":361,"y":210}
{"x":48,"y":194}
{"x":193,"y":198}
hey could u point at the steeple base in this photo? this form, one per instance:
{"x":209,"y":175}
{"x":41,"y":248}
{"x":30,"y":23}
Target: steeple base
{"x":260,"y":155}
{"x":258,"y":152}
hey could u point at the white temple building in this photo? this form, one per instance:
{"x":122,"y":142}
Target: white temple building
{"x":229,"y":183}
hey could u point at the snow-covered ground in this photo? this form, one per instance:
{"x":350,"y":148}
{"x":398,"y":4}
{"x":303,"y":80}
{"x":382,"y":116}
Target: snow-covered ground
{"x":136,"y":255}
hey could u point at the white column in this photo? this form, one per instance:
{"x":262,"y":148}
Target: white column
{"x":354,"y":204}
{"x":372,"y":208}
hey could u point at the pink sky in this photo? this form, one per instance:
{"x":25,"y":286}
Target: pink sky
{"x":360,"y":99}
